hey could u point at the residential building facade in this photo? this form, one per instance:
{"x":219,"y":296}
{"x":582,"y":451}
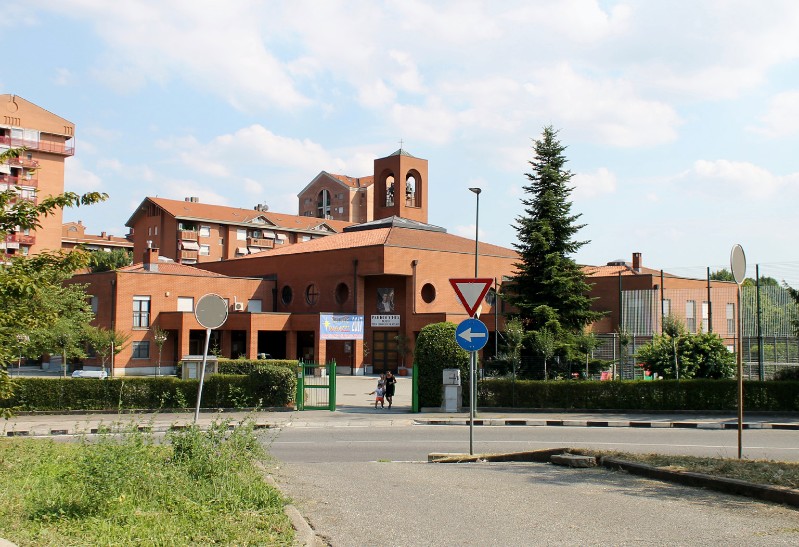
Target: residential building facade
{"x":47,"y":140}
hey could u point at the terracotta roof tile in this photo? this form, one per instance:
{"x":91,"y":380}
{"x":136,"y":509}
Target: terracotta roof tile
{"x":171,"y":268}
{"x":605,"y":271}
{"x":237,"y":216}
{"x":390,"y":237}
{"x":354,"y":182}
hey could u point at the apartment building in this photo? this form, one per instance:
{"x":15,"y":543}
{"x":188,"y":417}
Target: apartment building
{"x":48,"y":140}
{"x":190,"y":232}
{"x":73,"y":234}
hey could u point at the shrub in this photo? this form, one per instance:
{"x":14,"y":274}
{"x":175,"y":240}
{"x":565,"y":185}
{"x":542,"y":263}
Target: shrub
{"x":639,"y":395}
{"x":436,"y":349}
{"x":245,"y":366}
{"x":269,"y":386}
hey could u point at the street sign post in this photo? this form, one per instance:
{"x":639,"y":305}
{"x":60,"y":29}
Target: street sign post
{"x":738,"y":267}
{"x":211,"y":312}
{"x":471,"y":334}
{"x":471,"y":292}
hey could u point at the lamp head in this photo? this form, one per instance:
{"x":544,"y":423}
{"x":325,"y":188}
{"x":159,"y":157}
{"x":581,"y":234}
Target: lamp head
{"x":476,"y":190}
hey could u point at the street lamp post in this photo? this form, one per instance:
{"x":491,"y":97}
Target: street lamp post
{"x":473,"y":361}
{"x":476,"y":227}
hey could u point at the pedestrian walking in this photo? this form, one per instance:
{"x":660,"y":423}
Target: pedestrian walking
{"x":379,"y":393}
{"x":391,"y":382}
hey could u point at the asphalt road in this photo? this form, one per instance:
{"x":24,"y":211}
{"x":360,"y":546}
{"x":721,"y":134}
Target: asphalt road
{"x":369,"y":486}
{"x":413,"y":443}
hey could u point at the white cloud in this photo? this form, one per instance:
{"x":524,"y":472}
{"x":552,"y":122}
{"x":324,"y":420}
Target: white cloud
{"x":78,"y":178}
{"x":63,"y":76}
{"x":467,"y":231}
{"x":741,"y":177}
{"x":590,"y":185}
{"x":782,"y":117}
{"x":606,"y":110}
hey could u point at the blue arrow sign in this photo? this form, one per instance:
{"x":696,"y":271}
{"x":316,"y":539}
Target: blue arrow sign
{"x":471,"y":334}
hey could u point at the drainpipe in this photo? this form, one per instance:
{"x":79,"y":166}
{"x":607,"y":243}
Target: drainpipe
{"x":354,"y":310}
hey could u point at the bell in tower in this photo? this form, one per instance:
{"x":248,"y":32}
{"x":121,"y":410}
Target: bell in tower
{"x":400,"y":187}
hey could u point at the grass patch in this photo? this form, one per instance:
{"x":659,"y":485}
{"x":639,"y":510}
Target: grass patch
{"x":121,"y":488}
{"x":755,"y":471}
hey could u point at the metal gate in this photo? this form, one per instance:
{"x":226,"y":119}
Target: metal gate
{"x":316,"y":386}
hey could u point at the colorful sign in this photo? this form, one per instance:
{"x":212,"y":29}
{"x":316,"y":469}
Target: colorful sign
{"x":340,"y":327}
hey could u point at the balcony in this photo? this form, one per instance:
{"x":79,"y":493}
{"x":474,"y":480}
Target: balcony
{"x":19,"y":239}
{"x":24,"y":162}
{"x":64,"y":149}
{"x":189,"y":256}
{"x":31,"y":182}
{"x":260,"y":242}
{"x":187,"y":235}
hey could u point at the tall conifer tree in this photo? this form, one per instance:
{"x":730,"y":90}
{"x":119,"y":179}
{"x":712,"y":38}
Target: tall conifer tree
{"x":549,"y":287}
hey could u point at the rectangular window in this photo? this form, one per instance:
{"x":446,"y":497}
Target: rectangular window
{"x":254,"y":306}
{"x":141,"y":312}
{"x":690,"y":315}
{"x":141,"y":350}
{"x":205,"y":250}
{"x":155,"y":230}
{"x":705,"y":316}
{"x":221,"y":240}
{"x":205,"y":231}
{"x":241,"y":234}
{"x":666,"y":307}
{"x":93,"y":303}
{"x":731,"y":318}
{"x":185,"y":303}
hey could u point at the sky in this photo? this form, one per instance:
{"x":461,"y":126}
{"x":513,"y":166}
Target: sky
{"x":681,"y":118}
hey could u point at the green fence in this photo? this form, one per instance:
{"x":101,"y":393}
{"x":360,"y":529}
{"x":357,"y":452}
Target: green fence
{"x":316,"y":386}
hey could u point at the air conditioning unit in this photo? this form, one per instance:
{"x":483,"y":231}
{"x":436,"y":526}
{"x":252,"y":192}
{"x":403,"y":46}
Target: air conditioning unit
{"x":238,"y":306}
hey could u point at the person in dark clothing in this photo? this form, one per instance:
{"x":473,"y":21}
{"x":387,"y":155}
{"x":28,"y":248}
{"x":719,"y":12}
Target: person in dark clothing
{"x":391,"y":382}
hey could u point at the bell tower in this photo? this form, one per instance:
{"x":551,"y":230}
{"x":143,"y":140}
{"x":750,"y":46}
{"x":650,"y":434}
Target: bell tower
{"x":400,"y":187}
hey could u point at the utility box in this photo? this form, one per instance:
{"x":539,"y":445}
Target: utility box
{"x":452,"y":390}
{"x":192,"y":364}
{"x":451,"y":377}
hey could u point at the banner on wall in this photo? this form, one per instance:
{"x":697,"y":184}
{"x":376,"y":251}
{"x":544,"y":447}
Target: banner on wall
{"x":340,"y":327}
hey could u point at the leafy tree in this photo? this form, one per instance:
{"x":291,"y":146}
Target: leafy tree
{"x":159,"y":337}
{"x":436,"y":349}
{"x":103,"y":261}
{"x":25,"y":278}
{"x":544,"y":344}
{"x":585,"y":344}
{"x":794,"y":294}
{"x":106,"y":342}
{"x":680,"y":354}
{"x":722,"y":275}
{"x":546,"y":275}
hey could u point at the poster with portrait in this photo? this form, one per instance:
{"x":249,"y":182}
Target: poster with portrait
{"x":385,"y":300}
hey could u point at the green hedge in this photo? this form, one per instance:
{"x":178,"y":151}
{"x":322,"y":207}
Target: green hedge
{"x":268,"y":386}
{"x":638,"y":395}
{"x":245,"y":366}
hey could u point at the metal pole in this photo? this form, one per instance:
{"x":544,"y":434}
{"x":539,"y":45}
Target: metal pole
{"x":740,"y":379}
{"x":709,"y":304}
{"x":202,"y":376}
{"x":473,"y":361}
{"x":471,"y":404}
{"x":760,"y":355}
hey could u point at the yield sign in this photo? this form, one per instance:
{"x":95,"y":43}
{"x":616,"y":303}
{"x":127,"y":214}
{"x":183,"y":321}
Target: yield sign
{"x":471,"y":292}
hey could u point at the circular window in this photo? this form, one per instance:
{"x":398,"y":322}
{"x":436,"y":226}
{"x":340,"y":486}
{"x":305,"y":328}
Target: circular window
{"x":342,"y":293}
{"x":286,"y":295}
{"x":311,"y":294}
{"x":428,"y":292}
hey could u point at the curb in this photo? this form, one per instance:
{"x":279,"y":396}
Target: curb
{"x":777,"y":494}
{"x":52,"y":432}
{"x":305,"y":535}
{"x":601,"y":423}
